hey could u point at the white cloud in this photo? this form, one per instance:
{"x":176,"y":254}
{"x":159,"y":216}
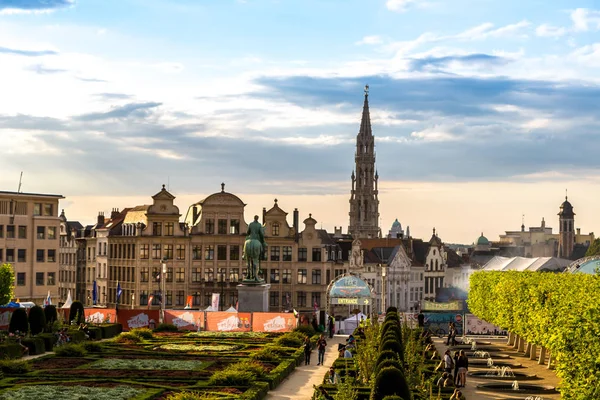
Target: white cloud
{"x":486,"y":30}
{"x":434,"y":134}
{"x":585,"y":19}
{"x":546,"y":30}
{"x":400,"y":5}
{"x":373,"y":39}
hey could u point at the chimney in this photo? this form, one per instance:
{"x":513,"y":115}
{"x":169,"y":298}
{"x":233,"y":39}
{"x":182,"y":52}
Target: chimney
{"x":264,"y":217}
{"x":578,"y":231}
{"x":295,"y":222}
{"x":114,"y":213}
{"x":101,"y":218}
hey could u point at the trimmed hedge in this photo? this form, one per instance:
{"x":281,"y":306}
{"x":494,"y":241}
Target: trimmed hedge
{"x":37,"y":320}
{"x":77,"y":312}
{"x":50,"y":314}
{"x":49,"y":339}
{"x":557,"y":311}
{"x":388,"y":382}
{"x":36,"y":345}
{"x":10,"y":350}
{"x":111,"y":330}
{"x":18,"y":321}
{"x":95,"y":332}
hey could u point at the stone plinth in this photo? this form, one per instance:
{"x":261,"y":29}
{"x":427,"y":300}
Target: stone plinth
{"x":253,"y":298}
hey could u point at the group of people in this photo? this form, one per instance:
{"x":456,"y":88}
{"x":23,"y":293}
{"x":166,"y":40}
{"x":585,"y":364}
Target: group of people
{"x":321,"y":346}
{"x":459,"y":365}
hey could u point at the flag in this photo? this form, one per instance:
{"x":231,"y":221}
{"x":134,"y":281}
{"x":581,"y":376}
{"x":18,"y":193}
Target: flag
{"x":150,"y":298}
{"x":295,"y":313}
{"x":237,"y":305}
{"x":119,"y":291}
{"x":316,"y":306}
{"x":48,"y":300}
{"x":215,"y":301}
{"x":189,"y":302}
{"x":94,"y":293}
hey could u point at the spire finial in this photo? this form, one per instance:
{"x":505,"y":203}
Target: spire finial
{"x":163,"y":187}
{"x":222,"y":187}
{"x":366,"y":90}
{"x":566,"y":194}
{"x":433,"y":231}
{"x":275,"y":201}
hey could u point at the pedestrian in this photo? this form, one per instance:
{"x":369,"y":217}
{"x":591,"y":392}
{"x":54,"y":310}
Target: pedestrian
{"x":421,"y":319}
{"x":315,"y":324}
{"x":307,"y":350}
{"x":463,"y":366}
{"x":448,"y":362}
{"x":455,"y":363}
{"x":333,"y":377}
{"x":331,"y":326}
{"x":321,"y":345}
{"x":450,"y":327}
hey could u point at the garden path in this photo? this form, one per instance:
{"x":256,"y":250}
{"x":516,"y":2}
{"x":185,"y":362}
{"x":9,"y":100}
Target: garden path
{"x":299,"y":384}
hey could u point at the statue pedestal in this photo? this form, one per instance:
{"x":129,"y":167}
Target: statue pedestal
{"x":253,"y":298}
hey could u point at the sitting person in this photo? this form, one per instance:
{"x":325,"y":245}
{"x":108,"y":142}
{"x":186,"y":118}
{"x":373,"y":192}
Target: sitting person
{"x":440,"y":382}
{"x":435,"y":355}
{"x":350,"y":339}
{"x":457,"y":395}
{"x":449,"y":382}
{"x":83,"y":327}
{"x":347,"y":353}
{"x":333,"y":377}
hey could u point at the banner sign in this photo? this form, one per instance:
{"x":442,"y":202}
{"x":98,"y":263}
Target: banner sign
{"x":350,"y":286}
{"x":100,"y":315}
{"x":131,"y":319}
{"x":5,"y":314}
{"x":228,"y":322}
{"x":439,"y":322}
{"x":433,"y":306}
{"x":273,"y":322}
{"x":350,"y":301}
{"x":185,"y":320}
{"x":215,"y":301}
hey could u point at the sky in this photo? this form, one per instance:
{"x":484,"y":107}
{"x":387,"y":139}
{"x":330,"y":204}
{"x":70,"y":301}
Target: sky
{"x":483,"y":111}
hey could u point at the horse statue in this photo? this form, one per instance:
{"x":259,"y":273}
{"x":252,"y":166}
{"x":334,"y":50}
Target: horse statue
{"x":254,"y":248}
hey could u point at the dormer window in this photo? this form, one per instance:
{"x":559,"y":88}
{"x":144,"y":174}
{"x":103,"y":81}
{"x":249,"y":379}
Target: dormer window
{"x":275,"y":229}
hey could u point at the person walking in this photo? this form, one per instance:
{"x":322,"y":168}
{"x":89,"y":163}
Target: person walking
{"x":448,"y":362}
{"x":307,"y":350}
{"x":421,"y":319}
{"x":331,"y":326}
{"x":321,"y":345}
{"x":463,"y":366}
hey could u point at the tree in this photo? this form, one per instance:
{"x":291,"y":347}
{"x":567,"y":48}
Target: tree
{"x":37,"y":320}
{"x":594,"y":248}
{"x":7,"y":283}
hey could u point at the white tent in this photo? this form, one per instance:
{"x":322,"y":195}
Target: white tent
{"x":351,"y":323}
{"x":231,"y":309}
{"x":210,"y":308}
{"x":69,"y":301}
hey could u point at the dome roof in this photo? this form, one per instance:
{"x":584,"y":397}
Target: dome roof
{"x":566,"y":209}
{"x":482,"y":241}
{"x":396,"y":224}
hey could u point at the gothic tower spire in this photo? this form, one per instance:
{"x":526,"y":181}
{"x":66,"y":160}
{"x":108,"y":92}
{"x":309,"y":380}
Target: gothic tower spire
{"x":364,"y":204}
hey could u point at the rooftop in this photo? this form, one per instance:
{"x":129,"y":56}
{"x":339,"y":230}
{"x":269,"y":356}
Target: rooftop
{"x":55,"y":196}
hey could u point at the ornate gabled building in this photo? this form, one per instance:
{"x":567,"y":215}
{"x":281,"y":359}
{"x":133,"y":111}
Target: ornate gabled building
{"x":364,"y":202}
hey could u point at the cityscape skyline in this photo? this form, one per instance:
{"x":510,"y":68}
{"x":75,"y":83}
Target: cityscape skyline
{"x":480,"y":115}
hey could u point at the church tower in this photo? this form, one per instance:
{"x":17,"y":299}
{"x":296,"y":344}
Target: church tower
{"x":364,"y":204}
{"x":566,"y":230}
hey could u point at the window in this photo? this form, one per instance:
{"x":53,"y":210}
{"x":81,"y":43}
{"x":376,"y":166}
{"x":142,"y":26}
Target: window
{"x":169,"y":298}
{"x":51,"y":256}
{"x":168,"y":251}
{"x":144,"y":251}
{"x":316,"y":299}
{"x":10,"y":255}
{"x":179,"y":298}
{"x":39,"y":278}
{"x":1,"y":231}
{"x":209,"y":226}
{"x":222,"y":227}
{"x":286,"y":276}
{"x":275,"y":229}
{"x":169,"y":275}
{"x":180,"y":275}
{"x":301,"y":299}
{"x":10,"y":231}
{"x":221,"y":252}
{"x":157,"y":229}
{"x":209,"y":274}
{"x":286,"y":299}
{"x":37,"y":209}
{"x":302,"y":254}
{"x":209,"y":252}
{"x":20,"y":278}
{"x":51,"y":232}
{"x":316,"y":254}
{"x":22,"y":232}
{"x":302,"y":276}
{"x":21,"y":255}
{"x":156,"y":251}
{"x":41,"y":232}
{"x":196,"y":275}
{"x":181,"y":251}
{"x":316,"y":277}
{"x":222,"y":274}
{"x":48,"y":210}
{"x":234,"y":274}
{"x":144,"y":274}
{"x":197,"y":252}
{"x":274,"y":296}
{"x":275,"y":275}
{"x":234,"y":252}
{"x":274,"y":253}
{"x":1,"y":255}
{"x":287,"y":253}
{"x":39,"y":255}
{"x":169,"y":229}
{"x":234,"y":226}
{"x":51,"y":279}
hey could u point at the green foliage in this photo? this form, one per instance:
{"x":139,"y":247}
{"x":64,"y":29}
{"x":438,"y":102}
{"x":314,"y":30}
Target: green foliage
{"x":231,"y":378}
{"x":10,"y":349}
{"x":367,"y":351}
{"x":389,"y":382}
{"x":346,"y":391}
{"x":192,"y":396}
{"x":111,"y":330}
{"x":7,"y":283}
{"x":394,"y":346}
{"x":51,"y":315}
{"x":147,"y":364}
{"x":387,"y":355}
{"x":36,"y":345}
{"x":51,"y":392}
{"x":393,"y":398}
{"x":37,"y":320}
{"x":128,"y":337}
{"x":18,"y":321}
{"x":594,"y":248}
{"x":388,"y":363}
{"x":93,"y":347}
{"x":14,"y":367}
{"x":391,"y":310}
{"x":265,"y":355}
{"x":166,"y":328}
{"x":290,"y":339}
{"x":143,"y":333}
{"x":77,"y":313}
{"x":557,"y":311}
{"x":70,"y":350}
{"x":306,"y":330}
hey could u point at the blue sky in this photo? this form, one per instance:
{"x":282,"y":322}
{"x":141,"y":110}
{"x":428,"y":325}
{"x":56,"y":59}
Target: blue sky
{"x":267,"y":94}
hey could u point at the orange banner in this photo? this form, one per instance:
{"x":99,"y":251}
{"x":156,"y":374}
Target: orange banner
{"x":5,"y":314}
{"x":228,"y":322}
{"x":100,"y":315}
{"x":131,"y":319}
{"x":186,"y":320}
{"x":273,"y":322}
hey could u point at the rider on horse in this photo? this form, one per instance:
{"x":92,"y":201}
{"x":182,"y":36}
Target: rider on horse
{"x":254,"y":248}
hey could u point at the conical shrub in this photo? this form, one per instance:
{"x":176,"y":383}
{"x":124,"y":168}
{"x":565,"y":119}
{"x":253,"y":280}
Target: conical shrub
{"x":387,"y":363}
{"x":386,"y":355}
{"x":51,"y":314}
{"x":390,"y":381}
{"x":18,"y":321}
{"x":37,"y":320}
{"x":77,"y":312}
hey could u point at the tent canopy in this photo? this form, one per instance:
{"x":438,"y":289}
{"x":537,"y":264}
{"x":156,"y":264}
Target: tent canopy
{"x":231,"y":309}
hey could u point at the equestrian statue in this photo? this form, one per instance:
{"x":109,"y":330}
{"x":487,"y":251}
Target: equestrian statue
{"x":254,"y":250}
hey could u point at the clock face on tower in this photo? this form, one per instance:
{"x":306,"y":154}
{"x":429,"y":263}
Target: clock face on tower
{"x":163,"y":208}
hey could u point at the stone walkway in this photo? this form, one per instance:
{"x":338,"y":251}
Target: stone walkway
{"x":299,"y":384}
{"x":548,"y":376}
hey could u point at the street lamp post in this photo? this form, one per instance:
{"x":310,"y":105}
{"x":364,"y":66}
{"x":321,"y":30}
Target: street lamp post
{"x":132,"y":300}
{"x":383,"y":294}
{"x":162,"y":290}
